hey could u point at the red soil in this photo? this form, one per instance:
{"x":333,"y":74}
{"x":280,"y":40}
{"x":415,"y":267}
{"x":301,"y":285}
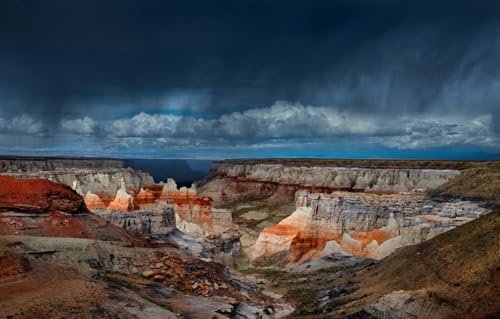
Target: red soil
{"x":38,"y":196}
{"x":39,"y":207}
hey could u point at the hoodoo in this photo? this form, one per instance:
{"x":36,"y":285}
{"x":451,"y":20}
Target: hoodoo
{"x":93,"y":201}
{"x":123,"y":200}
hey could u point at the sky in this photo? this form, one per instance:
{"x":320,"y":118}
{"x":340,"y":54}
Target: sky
{"x":221,"y":79}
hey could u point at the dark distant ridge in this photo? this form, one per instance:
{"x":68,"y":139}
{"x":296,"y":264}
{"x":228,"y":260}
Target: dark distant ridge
{"x":363,"y":163}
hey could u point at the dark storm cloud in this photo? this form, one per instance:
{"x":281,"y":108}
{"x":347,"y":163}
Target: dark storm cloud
{"x":93,"y":61}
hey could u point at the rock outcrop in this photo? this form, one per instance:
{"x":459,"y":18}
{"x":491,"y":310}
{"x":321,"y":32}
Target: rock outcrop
{"x":99,"y":176}
{"x":230,"y":181}
{"x":360,"y":224}
{"x":196,"y":215}
{"x":144,"y":197}
{"x":39,"y":207}
{"x":453,"y":275}
{"x":107,"y":185}
{"x":123,"y":201}
{"x":144,"y":211}
{"x":160,"y":219}
{"x":93,"y":201}
{"x":38,"y":196}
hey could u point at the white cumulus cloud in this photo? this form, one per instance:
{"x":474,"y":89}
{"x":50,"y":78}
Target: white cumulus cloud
{"x":285,"y":123}
{"x":22,"y":124}
{"x":85,"y":125}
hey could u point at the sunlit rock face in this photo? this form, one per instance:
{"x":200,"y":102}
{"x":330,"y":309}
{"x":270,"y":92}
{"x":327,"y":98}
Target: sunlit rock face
{"x":195,"y":215}
{"x":39,"y":207}
{"x":123,"y":200}
{"x":93,"y":201}
{"x":361,"y":224}
{"x":99,"y":176}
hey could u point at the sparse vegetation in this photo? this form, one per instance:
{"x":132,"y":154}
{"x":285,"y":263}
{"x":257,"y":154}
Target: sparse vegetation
{"x":438,"y":298}
{"x":481,"y":182}
{"x":305,"y":299}
{"x":461,"y":264}
{"x":302,"y":289}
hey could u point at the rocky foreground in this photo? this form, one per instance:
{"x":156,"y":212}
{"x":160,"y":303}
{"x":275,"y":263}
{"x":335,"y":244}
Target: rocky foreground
{"x":255,"y":239}
{"x":51,"y":243}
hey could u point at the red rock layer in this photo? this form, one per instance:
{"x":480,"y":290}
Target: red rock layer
{"x":189,"y":206}
{"x":93,"y":201}
{"x":38,"y":196}
{"x":13,"y":265}
{"x":186,"y":203}
{"x":305,"y":238}
{"x":144,"y":197}
{"x":39,"y":207}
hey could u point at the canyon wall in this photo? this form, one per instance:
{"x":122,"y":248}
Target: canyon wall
{"x":39,"y":207}
{"x":99,"y":176}
{"x":231,"y":180}
{"x":195,"y":214}
{"x":367,"y":208}
{"x":365,"y":224}
{"x":160,"y":220}
{"x":157,"y":206}
{"x":107,"y":187}
{"x":34,"y":164}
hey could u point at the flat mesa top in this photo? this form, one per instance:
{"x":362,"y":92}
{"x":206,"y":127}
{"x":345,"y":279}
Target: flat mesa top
{"x":361,"y":163}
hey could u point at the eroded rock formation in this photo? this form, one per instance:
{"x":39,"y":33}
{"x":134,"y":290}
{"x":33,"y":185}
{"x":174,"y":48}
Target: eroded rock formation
{"x":107,"y":185}
{"x":360,"y":224}
{"x":39,"y":207}
{"x":93,"y":201}
{"x":159,"y":219}
{"x":99,"y":176}
{"x":123,"y":201}
{"x":230,"y":180}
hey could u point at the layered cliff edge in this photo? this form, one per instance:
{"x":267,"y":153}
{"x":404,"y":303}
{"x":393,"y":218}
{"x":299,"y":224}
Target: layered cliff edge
{"x":233,"y":179}
{"x":360,"y":207}
{"x":361,"y":224}
{"x":39,"y":207}
{"x":99,"y":176}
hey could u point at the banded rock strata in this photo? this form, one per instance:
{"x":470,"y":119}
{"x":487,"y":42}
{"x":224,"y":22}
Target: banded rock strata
{"x":39,"y":207}
{"x":102,"y":177}
{"x":362,"y":224}
{"x":151,"y":209}
{"x":108,"y":186}
{"x":231,"y":181}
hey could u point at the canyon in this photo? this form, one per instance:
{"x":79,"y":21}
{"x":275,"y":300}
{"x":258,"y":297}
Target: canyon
{"x":293,"y":212}
{"x":50,"y":239}
{"x":108,"y":186}
{"x":361,"y":224}
{"x":230,"y":180}
{"x":246,"y":218}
